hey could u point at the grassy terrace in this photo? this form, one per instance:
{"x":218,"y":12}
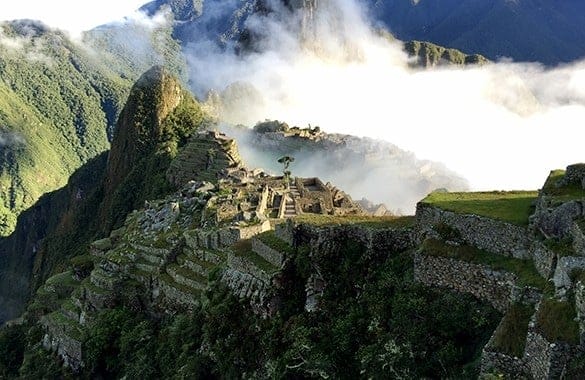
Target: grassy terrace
{"x":510,"y":337}
{"x":524,"y":270}
{"x":243,"y":249}
{"x":361,"y":220}
{"x":556,"y":321}
{"x":562,"y":193}
{"x":195,"y":293}
{"x":509,"y":206}
{"x":269,"y":238}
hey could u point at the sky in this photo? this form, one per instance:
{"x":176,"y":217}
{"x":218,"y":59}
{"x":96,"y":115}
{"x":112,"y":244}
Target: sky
{"x":73,"y":16}
{"x":501,"y":126}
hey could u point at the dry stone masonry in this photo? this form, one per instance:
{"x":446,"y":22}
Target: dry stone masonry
{"x":494,"y":236}
{"x":557,"y":221}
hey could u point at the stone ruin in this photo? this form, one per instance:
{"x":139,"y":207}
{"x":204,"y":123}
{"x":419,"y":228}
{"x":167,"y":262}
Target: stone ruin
{"x":574,"y":175}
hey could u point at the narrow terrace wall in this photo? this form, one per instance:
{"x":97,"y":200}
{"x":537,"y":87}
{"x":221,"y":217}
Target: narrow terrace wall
{"x":481,"y":281}
{"x":488,"y":234}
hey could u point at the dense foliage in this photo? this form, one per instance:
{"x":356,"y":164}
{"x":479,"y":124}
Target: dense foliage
{"x":57,"y":106}
{"x":374,"y":321}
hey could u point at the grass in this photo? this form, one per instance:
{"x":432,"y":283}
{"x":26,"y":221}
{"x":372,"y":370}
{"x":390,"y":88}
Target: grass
{"x":71,"y":328}
{"x":93,"y":288}
{"x":562,"y":247}
{"x":524,"y":270}
{"x":202,"y":263}
{"x":561,"y":193}
{"x":188,"y":273}
{"x":380,"y":222}
{"x":509,"y":206}
{"x":243,"y":249}
{"x":510,"y":337}
{"x":196,"y":293}
{"x":556,"y":321}
{"x":270,"y":239}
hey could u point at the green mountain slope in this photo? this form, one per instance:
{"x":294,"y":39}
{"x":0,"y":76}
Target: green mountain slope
{"x":156,"y":121}
{"x":58,"y":104}
{"x":59,"y":100}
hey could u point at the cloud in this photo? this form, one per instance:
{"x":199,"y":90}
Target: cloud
{"x":10,"y":139}
{"x":23,"y":41}
{"x":501,"y":126}
{"x":68,"y":15}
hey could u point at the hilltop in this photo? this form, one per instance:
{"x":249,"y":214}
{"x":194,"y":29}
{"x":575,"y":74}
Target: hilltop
{"x":213,"y":269}
{"x":60,"y":103}
{"x":158,"y":118}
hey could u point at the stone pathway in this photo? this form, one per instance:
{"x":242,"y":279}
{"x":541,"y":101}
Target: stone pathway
{"x":290,"y":211}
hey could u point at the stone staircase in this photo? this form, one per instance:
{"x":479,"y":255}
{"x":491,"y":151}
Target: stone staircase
{"x":290,"y":210}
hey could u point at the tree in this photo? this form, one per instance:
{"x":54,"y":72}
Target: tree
{"x":286,"y":161}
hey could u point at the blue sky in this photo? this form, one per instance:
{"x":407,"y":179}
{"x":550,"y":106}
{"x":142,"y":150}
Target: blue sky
{"x":73,"y":16}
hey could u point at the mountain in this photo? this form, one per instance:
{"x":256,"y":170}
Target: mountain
{"x":157,"y":119}
{"x":61,"y":99}
{"x":249,"y":275}
{"x":545,"y":31}
{"x":58,"y":106}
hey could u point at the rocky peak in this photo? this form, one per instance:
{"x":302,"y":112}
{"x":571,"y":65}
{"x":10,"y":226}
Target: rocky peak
{"x":140,"y":126}
{"x":183,"y":10}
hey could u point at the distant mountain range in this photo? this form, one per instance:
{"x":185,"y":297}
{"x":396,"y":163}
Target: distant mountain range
{"x":545,"y":31}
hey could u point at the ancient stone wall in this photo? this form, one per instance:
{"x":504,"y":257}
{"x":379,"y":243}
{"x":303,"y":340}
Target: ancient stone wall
{"x":58,"y":340}
{"x":580,"y":309}
{"x":324,"y":240}
{"x":263,"y":202}
{"x":556,"y":220}
{"x":575,"y":175}
{"x":225,"y":237}
{"x":488,"y":234}
{"x":269,"y":254}
{"x":578,"y":235}
{"x":544,"y":259}
{"x":544,"y":359}
{"x":285,"y":232}
{"x":481,"y":281}
{"x":564,"y":271}
{"x":494,"y":361}
{"x":245,"y":266}
{"x":246,"y":285}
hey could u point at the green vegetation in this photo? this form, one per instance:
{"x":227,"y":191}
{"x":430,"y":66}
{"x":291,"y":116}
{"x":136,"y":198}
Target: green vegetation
{"x":243,"y":248}
{"x":509,"y":206}
{"x":430,"y":54}
{"x":361,"y":220}
{"x":557,"y":321}
{"x":564,"y":193}
{"x":11,"y":351}
{"x":58,"y":104}
{"x":524,"y":270}
{"x":363,"y":328}
{"x":510,"y":336}
{"x":270,"y":239}
{"x":562,"y":247}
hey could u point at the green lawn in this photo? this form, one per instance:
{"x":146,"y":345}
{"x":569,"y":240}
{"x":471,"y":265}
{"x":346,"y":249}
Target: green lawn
{"x":243,"y":249}
{"x":270,"y":239}
{"x":509,"y":206}
{"x":362,"y":220}
{"x":525,"y":270}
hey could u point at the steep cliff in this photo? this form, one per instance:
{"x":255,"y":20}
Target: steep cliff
{"x":158,"y":118}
